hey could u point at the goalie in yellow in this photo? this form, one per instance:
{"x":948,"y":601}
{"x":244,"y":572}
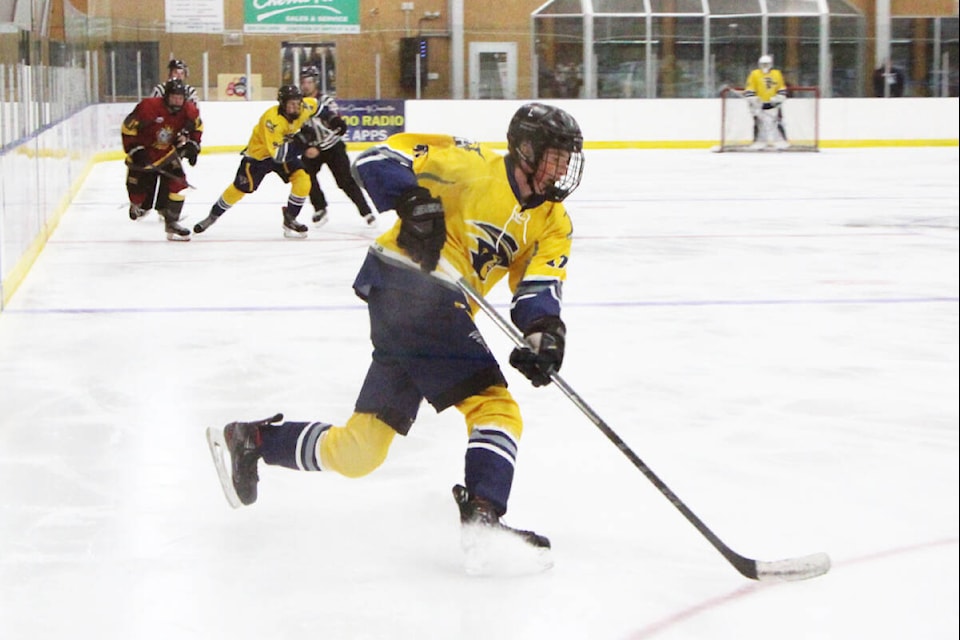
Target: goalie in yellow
{"x":765,"y":92}
{"x":463,"y":210}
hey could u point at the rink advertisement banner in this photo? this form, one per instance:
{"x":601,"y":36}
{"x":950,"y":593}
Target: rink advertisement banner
{"x":193,"y":16}
{"x":301,"y":16}
{"x":372,"y":120}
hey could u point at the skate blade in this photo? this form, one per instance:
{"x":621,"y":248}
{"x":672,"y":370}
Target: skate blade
{"x":322,"y":221}
{"x":495,"y":552}
{"x":175,"y":237}
{"x":218,"y":450}
{"x":290,"y":233}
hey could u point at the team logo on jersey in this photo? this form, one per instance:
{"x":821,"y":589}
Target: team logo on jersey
{"x":495,"y":248}
{"x":468,"y":145}
{"x":165,"y":136}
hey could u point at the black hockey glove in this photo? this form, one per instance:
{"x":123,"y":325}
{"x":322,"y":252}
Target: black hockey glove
{"x":337,"y":125}
{"x":189,"y":152}
{"x":138,"y":159}
{"x":308,"y":135}
{"x":547,"y":338}
{"x":422,"y":227}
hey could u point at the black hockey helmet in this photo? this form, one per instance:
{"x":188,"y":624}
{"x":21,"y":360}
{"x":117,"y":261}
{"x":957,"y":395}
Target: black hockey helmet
{"x":174,"y":87}
{"x":285,"y":94}
{"x":177,"y":65}
{"x":310,"y":72}
{"x":536,"y":127}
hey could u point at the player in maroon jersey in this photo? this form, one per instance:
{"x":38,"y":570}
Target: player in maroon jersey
{"x":157,"y":134}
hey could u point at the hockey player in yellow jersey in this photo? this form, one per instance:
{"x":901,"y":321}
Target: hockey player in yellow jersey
{"x":272,"y":148}
{"x":766,"y":91}
{"x":463,"y":210}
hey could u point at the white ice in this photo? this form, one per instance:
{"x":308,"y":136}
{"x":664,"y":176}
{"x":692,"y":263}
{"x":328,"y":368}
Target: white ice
{"x":775,"y":335}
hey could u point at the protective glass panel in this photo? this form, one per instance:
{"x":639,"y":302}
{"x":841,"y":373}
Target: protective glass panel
{"x":794,"y":7}
{"x":559,"y":56}
{"x":558,"y":7}
{"x":620,"y":52}
{"x":734,"y":7}
{"x":734,"y":49}
{"x":841,"y":8}
{"x":619,"y":6}
{"x":679,"y":50}
{"x":676,"y":6}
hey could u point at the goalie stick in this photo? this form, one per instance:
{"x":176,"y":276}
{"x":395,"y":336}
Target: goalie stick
{"x":790,"y":569}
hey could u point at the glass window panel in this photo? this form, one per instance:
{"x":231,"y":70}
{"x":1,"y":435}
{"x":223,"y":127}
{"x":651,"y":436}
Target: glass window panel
{"x":734,"y":49}
{"x":844,"y":29}
{"x":841,"y":8}
{"x":794,"y":7}
{"x":679,"y":50}
{"x":621,"y":56}
{"x":795,"y":49}
{"x":676,"y":6}
{"x":559,"y":56}
{"x":950,"y":46}
{"x":561,"y":7}
{"x":734,"y":7}
{"x":625,"y":29}
{"x":619,"y":6}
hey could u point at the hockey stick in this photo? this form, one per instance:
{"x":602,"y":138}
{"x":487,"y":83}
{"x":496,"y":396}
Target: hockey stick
{"x":731,"y":89}
{"x":790,"y":569}
{"x":172,"y":176}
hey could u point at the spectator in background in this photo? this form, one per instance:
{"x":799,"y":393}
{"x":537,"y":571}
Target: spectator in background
{"x":888,"y":77}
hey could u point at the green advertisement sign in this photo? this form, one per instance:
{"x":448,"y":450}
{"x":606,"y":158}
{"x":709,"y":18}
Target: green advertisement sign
{"x":301,"y":16}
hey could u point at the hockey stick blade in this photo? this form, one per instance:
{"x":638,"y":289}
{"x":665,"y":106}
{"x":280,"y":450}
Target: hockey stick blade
{"x":788,"y":570}
{"x":793,"y":569}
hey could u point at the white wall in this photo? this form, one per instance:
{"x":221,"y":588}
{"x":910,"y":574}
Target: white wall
{"x":843,"y":121}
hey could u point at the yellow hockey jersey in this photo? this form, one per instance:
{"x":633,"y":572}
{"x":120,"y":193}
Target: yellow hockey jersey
{"x":765,"y":85}
{"x":273,"y":130}
{"x":489,"y":235}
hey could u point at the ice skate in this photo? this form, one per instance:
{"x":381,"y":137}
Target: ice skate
{"x":172,"y":225}
{"x":206,"y":223}
{"x":492,"y":548}
{"x":292,"y":228}
{"x":240,"y":441}
{"x":136,"y":212}
{"x":175,"y":231}
{"x":320,"y":217}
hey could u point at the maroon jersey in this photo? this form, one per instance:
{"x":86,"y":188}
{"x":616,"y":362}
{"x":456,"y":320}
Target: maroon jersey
{"x":153,"y":126}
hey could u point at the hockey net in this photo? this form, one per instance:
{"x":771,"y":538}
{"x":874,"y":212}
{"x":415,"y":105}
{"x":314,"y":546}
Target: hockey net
{"x":799,"y":116}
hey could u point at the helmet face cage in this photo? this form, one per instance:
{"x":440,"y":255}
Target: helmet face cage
{"x":537,"y":127}
{"x":285,"y":94}
{"x":765,"y":62}
{"x":174,"y":87}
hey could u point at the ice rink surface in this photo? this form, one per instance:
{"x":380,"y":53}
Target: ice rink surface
{"x":775,"y":335}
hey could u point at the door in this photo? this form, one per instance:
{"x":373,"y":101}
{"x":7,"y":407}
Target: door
{"x":493,"y":70}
